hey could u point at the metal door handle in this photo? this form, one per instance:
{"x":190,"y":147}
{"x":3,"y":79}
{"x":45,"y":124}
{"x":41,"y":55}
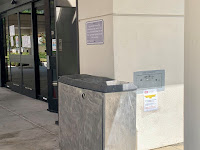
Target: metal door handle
{"x":48,"y":62}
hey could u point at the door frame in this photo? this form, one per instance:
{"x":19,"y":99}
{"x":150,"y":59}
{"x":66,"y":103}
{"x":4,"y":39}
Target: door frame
{"x":33,"y":6}
{"x":52,"y":100}
{"x":15,"y":87}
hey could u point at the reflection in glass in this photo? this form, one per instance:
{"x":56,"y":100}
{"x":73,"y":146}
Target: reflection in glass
{"x":6,"y":50}
{"x":13,"y":54}
{"x":27,"y":58}
{"x":54,"y":53}
{"x":42,"y":52}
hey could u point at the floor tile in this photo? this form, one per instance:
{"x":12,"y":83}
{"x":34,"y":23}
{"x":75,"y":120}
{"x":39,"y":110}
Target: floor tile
{"x":42,"y":118}
{"x":12,"y":124}
{"x":4,"y":113}
{"x":32,"y":139}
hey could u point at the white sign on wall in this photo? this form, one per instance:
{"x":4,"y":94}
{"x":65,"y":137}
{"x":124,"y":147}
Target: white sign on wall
{"x":95,"y":32}
{"x":150,"y":100}
{"x":12,"y":30}
{"x":54,"y":47}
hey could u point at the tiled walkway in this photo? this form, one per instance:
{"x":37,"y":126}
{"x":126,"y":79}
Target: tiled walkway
{"x":25,"y":123}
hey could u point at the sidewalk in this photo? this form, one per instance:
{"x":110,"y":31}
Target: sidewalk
{"x":25,"y":123}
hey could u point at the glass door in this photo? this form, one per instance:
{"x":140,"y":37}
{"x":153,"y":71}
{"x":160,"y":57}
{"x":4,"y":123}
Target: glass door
{"x":66,"y":35}
{"x":30,"y":63}
{"x":5,"y":62}
{"x":13,"y":52}
{"x":42,"y":52}
{"x":19,"y":51}
{"x":27,"y":52}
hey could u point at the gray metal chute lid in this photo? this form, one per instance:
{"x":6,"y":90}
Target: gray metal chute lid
{"x":98,"y":84}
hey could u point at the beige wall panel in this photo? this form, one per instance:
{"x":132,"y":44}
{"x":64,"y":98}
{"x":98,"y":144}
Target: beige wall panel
{"x":149,"y":43}
{"x":160,"y":7}
{"x":192,"y":74}
{"x":140,"y":43}
{"x":153,"y":43}
{"x":164,"y":126}
{"x":97,"y":59}
{"x":94,"y":8}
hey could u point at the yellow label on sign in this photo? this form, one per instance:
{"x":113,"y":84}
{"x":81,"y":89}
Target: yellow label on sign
{"x":150,"y":96}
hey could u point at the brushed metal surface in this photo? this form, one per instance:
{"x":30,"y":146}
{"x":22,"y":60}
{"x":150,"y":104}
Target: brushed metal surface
{"x":120,"y":121}
{"x":80,"y":119}
{"x":92,"y":120}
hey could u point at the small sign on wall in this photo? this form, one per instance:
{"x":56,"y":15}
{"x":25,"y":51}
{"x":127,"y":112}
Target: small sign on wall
{"x":60,"y":45}
{"x":95,"y":32}
{"x":150,"y":100}
{"x":12,"y":30}
{"x":54,"y":46}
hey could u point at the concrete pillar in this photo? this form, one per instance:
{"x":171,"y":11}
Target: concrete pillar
{"x":96,"y":59}
{"x":192,"y":74}
{"x":141,"y":35}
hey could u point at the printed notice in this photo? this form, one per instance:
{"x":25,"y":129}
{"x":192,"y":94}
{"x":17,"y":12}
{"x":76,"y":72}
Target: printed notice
{"x":95,"y":32}
{"x":150,"y":100}
{"x":12,"y":30}
{"x":60,"y":45}
{"x":54,"y":48}
{"x":26,"y":41}
{"x":11,"y":41}
{"x":17,"y":41}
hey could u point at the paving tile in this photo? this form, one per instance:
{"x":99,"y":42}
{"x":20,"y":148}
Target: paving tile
{"x":23,"y":104}
{"x":4,"y":113}
{"x":42,"y":118}
{"x":17,"y":133}
{"x":19,"y":103}
{"x":53,"y":128}
{"x":7,"y":94}
{"x":32,"y":139}
{"x":12,"y":124}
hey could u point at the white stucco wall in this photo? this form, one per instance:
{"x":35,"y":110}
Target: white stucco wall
{"x":158,"y":7}
{"x":96,"y":59}
{"x":140,"y":36}
{"x":150,"y":36}
{"x":143,"y":43}
{"x":95,"y":8}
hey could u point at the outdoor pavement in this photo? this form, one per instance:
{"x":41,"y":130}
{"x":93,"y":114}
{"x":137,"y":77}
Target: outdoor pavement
{"x":25,"y":123}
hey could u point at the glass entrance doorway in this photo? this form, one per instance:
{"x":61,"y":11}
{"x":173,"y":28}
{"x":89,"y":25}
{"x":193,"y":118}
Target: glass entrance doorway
{"x":67,"y":38}
{"x":25,"y":52}
{"x":19,"y":51}
{"x":42,"y":52}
